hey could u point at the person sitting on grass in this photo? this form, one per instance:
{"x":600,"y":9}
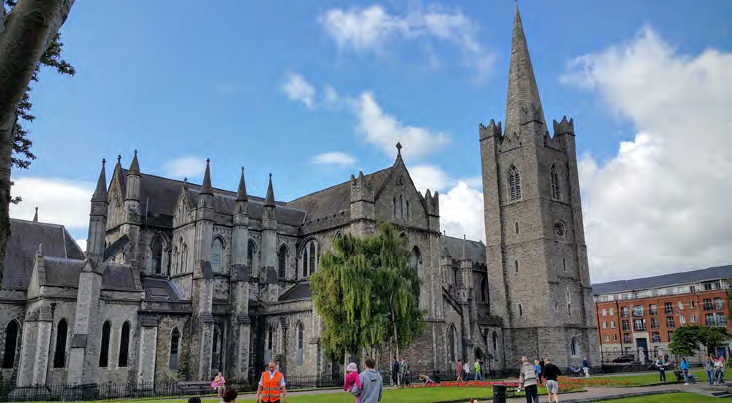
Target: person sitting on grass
{"x":427,"y":380}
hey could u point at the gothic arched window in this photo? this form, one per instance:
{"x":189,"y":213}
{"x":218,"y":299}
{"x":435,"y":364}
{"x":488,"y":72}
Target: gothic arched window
{"x":124,"y":345}
{"x":59,"y":353}
{"x":514,"y":183}
{"x":184,"y":258}
{"x":394,"y":204}
{"x":484,"y":289}
{"x":401,"y":206}
{"x":217,"y":252}
{"x":415,"y":259}
{"x":104,"y":350}
{"x":174,"y":345}
{"x":156,"y":250}
{"x":574,"y":347}
{"x":216,"y":349}
{"x":495,"y":342}
{"x":452,"y":341}
{"x":310,"y":258}
{"x":251,"y":252}
{"x":300,"y":334}
{"x":12,"y":333}
{"x":282,"y":262}
{"x":555,"y":183}
{"x":521,"y":310}
{"x":176,"y":257}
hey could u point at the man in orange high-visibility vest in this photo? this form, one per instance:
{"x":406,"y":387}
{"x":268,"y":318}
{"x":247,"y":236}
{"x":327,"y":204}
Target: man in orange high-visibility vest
{"x":271,"y":385}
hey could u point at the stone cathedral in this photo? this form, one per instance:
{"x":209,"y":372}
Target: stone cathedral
{"x":181,"y":280}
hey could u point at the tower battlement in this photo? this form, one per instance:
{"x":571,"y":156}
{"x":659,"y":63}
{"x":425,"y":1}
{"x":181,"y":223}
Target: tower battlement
{"x":564,"y":127}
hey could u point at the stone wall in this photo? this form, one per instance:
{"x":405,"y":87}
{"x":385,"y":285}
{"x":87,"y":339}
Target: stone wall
{"x":166,"y":324}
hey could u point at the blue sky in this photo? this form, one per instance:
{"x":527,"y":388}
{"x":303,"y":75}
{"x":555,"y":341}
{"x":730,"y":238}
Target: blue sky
{"x":185,"y":80}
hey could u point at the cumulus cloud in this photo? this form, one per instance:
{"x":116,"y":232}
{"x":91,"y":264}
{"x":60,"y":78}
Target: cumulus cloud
{"x":59,"y":201}
{"x":662,"y":203}
{"x":461,"y":212}
{"x":189,"y":166}
{"x":82,"y":244}
{"x":370,"y":29}
{"x":384,"y":130}
{"x":429,"y":177}
{"x":298,"y":89}
{"x":334,"y":158}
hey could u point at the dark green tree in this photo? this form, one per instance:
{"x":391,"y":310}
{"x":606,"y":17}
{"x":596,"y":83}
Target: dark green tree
{"x":687,"y":340}
{"x":367,"y":294}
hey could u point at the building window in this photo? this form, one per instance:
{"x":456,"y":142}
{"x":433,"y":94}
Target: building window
{"x":626,"y":338}
{"x":691,"y":304}
{"x":401,"y":206}
{"x":124,"y":345}
{"x":521,"y":310}
{"x":707,"y":304}
{"x":624,"y":312}
{"x":612,"y":311}
{"x":175,"y":257}
{"x":656,"y":337}
{"x":184,"y":263}
{"x":157,"y":255}
{"x":670,"y":321}
{"x":681,"y":306}
{"x":637,"y":310}
{"x":12,"y":333}
{"x":639,"y":324}
{"x":654,"y":323}
{"x":514,"y":183}
{"x":721,"y":319}
{"x":604,"y":325}
{"x":104,"y":351}
{"x":174,"y":344}
{"x":692,"y":318}
{"x":282,"y":262}
{"x":309,"y":258}
{"x":682,"y":319}
{"x":452,"y":341}
{"x":495,"y":341}
{"x":251,"y":252}
{"x":709,"y":319}
{"x":515,"y":265}
{"x":604,"y":312}
{"x":670,"y":335}
{"x":415,"y":260}
{"x":607,"y":338}
{"x":564,"y":268}
{"x":484,"y":289}
{"x":625,"y":325}
{"x":718,"y":304}
{"x":217,"y":349}
{"x":615,"y":337}
{"x":575,"y":347}
{"x":612,"y":324}
{"x":668,"y":308}
{"x":652,"y":309}
{"x":217,"y":252}
{"x":555,"y":183}
{"x":517,"y":227}
{"x":59,"y":354}
{"x":300,"y":338}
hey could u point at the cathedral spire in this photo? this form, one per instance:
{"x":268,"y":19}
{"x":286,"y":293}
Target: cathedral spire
{"x":269,"y":201}
{"x":465,"y":244}
{"x":241,"y":194}
{"x":523,"y":93}
{"x":134,"y":166}
{"x":100,"y":194}
{"x":206,"y":187}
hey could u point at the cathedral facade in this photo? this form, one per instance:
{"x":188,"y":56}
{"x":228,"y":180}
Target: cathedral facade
{"x":181,"y":280}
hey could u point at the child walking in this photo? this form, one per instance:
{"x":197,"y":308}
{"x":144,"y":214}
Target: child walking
{"x":353,"y":380}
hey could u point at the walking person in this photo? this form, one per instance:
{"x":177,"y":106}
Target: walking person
{"x":538,"y":371}
{"x":466,"y":371}
{"x":271,"y":386}
{"x":404,"y":371}
{"x":395,"y":372}
{"x":685,"y":368}
{"x":527,"y":380}
{"x":551,"y":374}
{"x":478,"y":372}
{"x":372,"y":386}
{"x":661,"y":365}
{"x":459,"y":370}
{"x":719,"y":370}
{"x":709,"y":368}
{"x":586,"y":367}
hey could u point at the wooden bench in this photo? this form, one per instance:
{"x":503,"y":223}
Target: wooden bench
{"x":195,"y":388}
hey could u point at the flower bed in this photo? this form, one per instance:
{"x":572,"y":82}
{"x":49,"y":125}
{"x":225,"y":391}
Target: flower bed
{"x":470,"y":384}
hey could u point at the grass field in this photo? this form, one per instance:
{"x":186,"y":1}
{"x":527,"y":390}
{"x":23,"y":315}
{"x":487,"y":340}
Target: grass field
{"x":643,"y":379}
{"x":665,"y":398}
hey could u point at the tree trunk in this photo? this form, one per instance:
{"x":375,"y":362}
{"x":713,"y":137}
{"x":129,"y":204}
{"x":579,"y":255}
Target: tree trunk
{"x":396,"y":336}
{"x":25,"y":34}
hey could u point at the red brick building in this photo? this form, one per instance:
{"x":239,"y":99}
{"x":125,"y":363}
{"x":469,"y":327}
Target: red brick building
{"x":643,"y":313}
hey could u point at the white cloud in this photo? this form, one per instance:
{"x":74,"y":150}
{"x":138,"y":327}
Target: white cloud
{"x":334,"y":158}
{"x":59,"y":201}
{"x":662,"y":203}
{"x":385,"y":131}
{"x":461,"y":212}
{"x":82,"y":244}
{"x":189,"y":167}
{"x":370,"y":29}
{"x":429,"y":177}
{"x":297,"y":89}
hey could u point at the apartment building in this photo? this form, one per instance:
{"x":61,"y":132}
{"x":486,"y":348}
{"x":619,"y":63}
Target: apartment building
{"x":638,"y":317}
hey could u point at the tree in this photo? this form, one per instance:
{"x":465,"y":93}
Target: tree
{"x":367,"y":295}
{"x":687,"y":340}
{"x":27,"y":31}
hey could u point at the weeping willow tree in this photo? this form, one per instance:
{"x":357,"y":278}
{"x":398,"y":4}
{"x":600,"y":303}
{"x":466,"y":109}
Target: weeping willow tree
{"x":367,"y":294}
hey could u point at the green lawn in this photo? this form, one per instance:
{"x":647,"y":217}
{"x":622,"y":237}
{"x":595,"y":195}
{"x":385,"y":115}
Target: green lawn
{"x":665,"y":398}
{"x":652,"y":378}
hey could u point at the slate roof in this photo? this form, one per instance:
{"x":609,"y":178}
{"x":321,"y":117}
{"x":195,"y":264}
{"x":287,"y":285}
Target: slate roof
{"x":159,"y":196}
{"x":475,"y":250}
{"x":336,"y":198}
{"x":159,"y":289}
{"x":297,"y":292}
{"x":666,"y":280}
{"x":25,"y":236}
{"x":118,"y":277}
